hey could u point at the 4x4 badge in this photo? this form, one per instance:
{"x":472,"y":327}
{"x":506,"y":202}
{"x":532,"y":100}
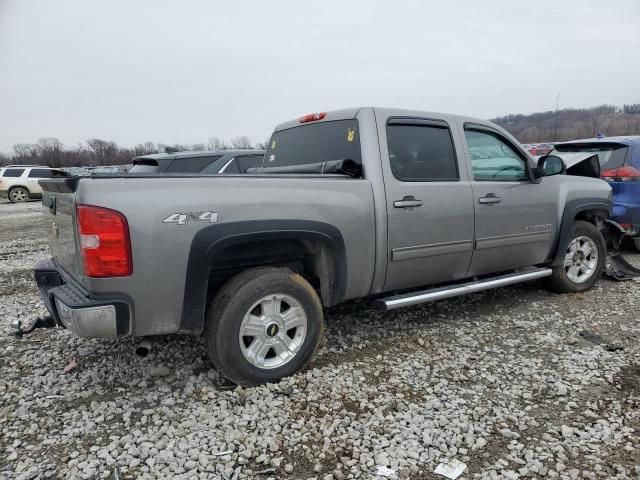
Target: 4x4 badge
{"x":183,"y":218}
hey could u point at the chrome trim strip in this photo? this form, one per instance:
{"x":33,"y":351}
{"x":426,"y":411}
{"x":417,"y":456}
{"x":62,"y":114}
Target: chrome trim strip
{"x":419,"y":251}
{"x":515,"y":239}
{"x":398,"y":301}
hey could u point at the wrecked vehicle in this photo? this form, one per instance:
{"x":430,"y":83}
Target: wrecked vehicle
{"x":405,"y":206}
{"x":619,"y":162}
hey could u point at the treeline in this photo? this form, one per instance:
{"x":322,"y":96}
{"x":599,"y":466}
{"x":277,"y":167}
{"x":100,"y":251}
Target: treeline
{"x":573,"y":123}
{"x":52,"y":152}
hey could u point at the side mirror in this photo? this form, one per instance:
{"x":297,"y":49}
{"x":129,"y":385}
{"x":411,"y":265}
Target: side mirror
{"x":551,"y":165}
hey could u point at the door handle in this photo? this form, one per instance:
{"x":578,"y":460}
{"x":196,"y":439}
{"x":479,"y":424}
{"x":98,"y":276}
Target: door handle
{"x":407,"y":202}
{"x":489,"y":199}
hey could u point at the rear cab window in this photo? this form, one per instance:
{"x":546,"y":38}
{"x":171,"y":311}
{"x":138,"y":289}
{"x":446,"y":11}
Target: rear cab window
{"x":13,"y":172}
{"x":610,"y":155}
{"x":314,"y":143}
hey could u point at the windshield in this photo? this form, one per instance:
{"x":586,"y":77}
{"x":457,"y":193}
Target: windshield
{"x":609,"y":155}
{"x":314,"y":143}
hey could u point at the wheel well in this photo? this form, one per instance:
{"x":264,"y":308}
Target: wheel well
{"x":595,"y":217}
{"x":311,"y":259}
{"x":13,"y":187}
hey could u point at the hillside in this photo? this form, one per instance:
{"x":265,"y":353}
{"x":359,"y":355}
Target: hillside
{"x":573,"y":123}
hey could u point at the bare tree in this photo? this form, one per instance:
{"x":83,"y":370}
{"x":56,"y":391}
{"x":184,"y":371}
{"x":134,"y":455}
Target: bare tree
{"x":215,"y":143}
{"x":101,"y":150}
{"x":50,"y":151}
{"x":25,"y":151}
{"x":241,"y":143}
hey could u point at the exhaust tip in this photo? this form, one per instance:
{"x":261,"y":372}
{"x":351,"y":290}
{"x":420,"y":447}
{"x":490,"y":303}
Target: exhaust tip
{"x":143,"y":348}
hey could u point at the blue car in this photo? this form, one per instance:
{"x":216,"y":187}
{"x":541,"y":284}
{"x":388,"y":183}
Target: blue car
{"x":620,"y":166}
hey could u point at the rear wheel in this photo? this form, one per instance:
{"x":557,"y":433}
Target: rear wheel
{"x":18,"y":195}
{"x":636,"y":242}
{"x":263,"y":325}
{"x":583,"y":261}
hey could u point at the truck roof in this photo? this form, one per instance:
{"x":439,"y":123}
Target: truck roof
{"x":349,"y":113}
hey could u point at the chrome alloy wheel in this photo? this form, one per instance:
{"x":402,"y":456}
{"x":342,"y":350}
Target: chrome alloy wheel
{"x":18,"y":195}
{"x":273,"y":331}
{"x":581,"y":259}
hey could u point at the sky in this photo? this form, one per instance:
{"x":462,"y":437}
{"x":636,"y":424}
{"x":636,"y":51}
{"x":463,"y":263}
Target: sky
{"x":184,"y":71}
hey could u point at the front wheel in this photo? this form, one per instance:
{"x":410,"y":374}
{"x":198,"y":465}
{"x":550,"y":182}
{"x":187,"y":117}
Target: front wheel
{"x":583,"y":261}
{"x":263,"y":325}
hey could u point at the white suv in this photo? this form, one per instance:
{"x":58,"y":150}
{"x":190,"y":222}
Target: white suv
{"x":20,"y":182}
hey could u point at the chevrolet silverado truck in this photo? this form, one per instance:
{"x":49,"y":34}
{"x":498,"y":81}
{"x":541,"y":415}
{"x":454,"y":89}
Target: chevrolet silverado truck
{"x":402,"y":206}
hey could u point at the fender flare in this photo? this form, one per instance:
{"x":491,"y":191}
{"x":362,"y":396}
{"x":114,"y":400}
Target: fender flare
{"x":571,"y":210}
{"x":208,"y":242}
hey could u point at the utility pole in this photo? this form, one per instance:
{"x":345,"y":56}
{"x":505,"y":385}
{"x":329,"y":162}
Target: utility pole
{"x":555,"y":128}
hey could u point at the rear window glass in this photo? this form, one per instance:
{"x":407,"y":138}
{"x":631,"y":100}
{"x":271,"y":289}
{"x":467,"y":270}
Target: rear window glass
{"x":13,"y":172}
{"x":231,"y":167}
{"x":609,"y":155}
{"x":314,"y":143}
{"x":248,"y":161}
{"x":191,"y":165}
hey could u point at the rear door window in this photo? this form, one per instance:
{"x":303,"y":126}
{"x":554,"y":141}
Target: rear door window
{"x":191,"y":164}
{"x":610,"y":155}
{"x":314,"y":143}
{"x":40,"y":173}
{"x":421,"y":152}
{"x":13,"y":172}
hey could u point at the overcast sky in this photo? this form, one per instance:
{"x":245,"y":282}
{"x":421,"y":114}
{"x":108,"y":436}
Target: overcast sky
{"x":184,"y":71}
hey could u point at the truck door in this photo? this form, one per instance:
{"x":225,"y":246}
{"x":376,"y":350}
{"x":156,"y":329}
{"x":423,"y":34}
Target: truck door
{"x":515,"y":217}
{"x":429,"y":203}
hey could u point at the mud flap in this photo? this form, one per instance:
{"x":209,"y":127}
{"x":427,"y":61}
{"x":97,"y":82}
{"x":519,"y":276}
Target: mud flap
{"x":617,"y":268}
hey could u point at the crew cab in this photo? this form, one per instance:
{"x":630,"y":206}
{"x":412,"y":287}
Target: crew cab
{"x":402,"y":206}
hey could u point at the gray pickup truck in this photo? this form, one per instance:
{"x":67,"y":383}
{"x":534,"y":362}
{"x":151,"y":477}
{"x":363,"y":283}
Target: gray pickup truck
{"x":403,"y":206}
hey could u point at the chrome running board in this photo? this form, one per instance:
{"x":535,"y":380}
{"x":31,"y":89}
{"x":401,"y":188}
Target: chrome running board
{"x":424,"y":296}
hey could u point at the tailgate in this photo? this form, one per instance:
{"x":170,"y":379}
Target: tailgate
{"x":58,"y":201}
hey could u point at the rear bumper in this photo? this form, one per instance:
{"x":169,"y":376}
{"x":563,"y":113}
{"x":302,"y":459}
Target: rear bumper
{"x":71,"y":307}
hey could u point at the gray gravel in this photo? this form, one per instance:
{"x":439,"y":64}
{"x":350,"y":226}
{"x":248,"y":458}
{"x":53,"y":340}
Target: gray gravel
{"x":516,"y":383}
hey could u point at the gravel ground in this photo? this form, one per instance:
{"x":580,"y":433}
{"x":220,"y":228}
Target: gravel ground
{"x":516,"y":383}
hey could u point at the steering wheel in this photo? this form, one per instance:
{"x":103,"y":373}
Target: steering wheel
{"x":506,"y":167}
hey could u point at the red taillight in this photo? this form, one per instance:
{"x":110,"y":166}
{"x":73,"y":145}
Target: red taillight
{"x":622,"y":174}
{"x":312,"y":117}
{"x":104,"y":241}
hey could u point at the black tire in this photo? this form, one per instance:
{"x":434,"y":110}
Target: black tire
{"x":561,"y":280}
{"x":636,"y":243}
{"x":235,"y":300}
{"x":18,"y":195}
